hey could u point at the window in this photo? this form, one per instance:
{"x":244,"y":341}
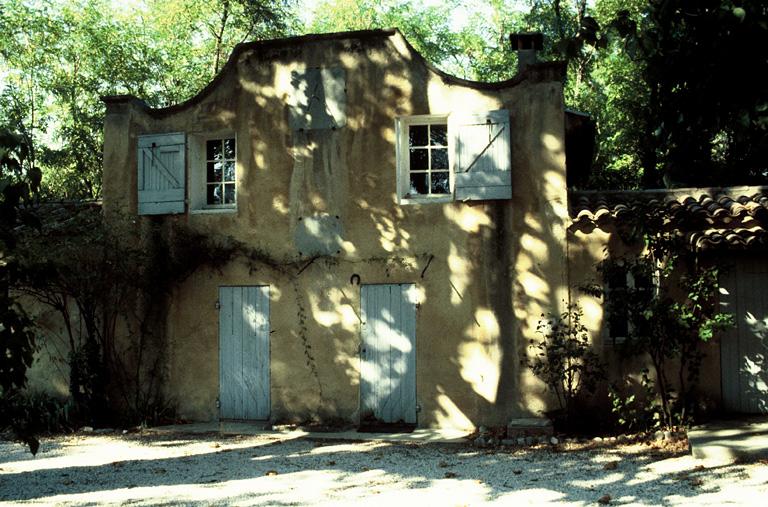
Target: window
{"x":423,"y":159}
{"x":628,"y":286}
{"x":212,"y":172}
{"x":220,"y":172}
{"x":445,"y":157}
{"x":428,"y":160}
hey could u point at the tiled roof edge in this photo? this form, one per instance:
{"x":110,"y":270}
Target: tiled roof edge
{"x":675,"y":192}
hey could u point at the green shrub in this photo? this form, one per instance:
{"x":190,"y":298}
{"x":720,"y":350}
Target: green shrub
{"x":564,"y":359}
{"x":35,"y":413}
{"x":639,"y":410}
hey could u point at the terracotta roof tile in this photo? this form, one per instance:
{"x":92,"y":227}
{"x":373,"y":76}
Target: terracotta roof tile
{"x":735,"y":217}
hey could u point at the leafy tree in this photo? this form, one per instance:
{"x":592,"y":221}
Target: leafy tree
{"x":59,"y":58}
{"x":426,"y":27}
{"x":17,"y":178}
{"x":708,"y":113}
{"x":697,"y":116}
{"x":669,"y":323}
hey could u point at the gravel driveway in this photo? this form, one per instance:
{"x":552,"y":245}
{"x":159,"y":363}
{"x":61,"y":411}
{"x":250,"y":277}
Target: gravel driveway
{"x":286,"y":470}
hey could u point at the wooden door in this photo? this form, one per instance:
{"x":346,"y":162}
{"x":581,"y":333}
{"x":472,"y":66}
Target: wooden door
{"x":244,"y":353}
{"x":744,"y":349}
{"x":388,"y":353}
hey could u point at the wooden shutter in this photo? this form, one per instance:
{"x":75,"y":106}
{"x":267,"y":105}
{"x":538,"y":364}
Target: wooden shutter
{"x":388,"y":353}
{"x":744,"y":366}
{"x":319,"y":99}
{"x":482,"y":156}
{"x":161,"y":174}
{"x":244,"y":353}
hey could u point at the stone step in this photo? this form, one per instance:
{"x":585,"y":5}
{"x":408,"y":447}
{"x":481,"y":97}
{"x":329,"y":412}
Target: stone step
{"x":529,"y":426}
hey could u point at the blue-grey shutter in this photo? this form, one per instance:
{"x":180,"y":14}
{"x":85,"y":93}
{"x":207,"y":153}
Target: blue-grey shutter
{"x":482,"y":156}
{"x":388,"y":353}
{"x":244,"y":353}
{"x":319,"y":99}
{"x":744,"y":347}
{"x":161,"y":175}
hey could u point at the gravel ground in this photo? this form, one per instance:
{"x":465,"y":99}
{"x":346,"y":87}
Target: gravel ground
{"x":284,"y":470}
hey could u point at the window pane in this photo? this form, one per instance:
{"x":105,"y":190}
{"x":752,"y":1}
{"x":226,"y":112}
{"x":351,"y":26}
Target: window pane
{"x":618,"y":324}
{"x":229,"y":148}
{"x":440,"y":183}
{"x":229,"y":171}
{"x":214,"y":194}
{"x":440,"y":159}
{"x":438,"y":135}
{"x":214,"y":172}
{"x":642,"y":281}
{"x":419,"y":183}
{"x":616,"y":276}
{"x":417,"y":135}
{"x":213,"y":149}
{"x":419,"y":159}
{"x":229,"y":193}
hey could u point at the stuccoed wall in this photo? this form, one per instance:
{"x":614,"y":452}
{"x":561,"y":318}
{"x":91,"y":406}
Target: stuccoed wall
{"x":587,"y":247}
{"x":496,"y":265}
{"x":49,"y":372}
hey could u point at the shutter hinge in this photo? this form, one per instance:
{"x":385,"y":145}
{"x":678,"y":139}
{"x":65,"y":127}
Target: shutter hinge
{"x":218,"y":305}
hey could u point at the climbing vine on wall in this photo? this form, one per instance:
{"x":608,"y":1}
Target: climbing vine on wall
{"x":108,"y":277}
{"x":670,"y":316}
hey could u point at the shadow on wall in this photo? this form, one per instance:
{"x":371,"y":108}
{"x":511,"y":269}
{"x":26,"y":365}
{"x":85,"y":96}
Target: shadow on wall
{"x":487,"y":270}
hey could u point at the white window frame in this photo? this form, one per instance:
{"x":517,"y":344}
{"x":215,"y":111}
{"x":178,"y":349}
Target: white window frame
{"x":198,"y":180}
{"x":402,"y":125}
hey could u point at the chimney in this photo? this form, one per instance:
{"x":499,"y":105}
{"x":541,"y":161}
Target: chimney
{"x":526,"y":44}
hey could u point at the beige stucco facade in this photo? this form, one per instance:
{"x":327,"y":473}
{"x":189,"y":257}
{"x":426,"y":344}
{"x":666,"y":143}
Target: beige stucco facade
{"x":484,"y":270}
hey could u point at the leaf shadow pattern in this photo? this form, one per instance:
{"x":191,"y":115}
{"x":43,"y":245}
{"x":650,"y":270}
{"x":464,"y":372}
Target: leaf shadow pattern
{"x":266,"y":471}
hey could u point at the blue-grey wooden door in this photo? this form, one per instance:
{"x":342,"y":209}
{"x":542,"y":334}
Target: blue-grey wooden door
{"x":744,"y":348}
{"x":388,"y":353}
{"x":244,"y":353}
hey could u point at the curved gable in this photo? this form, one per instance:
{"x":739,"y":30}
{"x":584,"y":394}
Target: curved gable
{"x":544,"y":71}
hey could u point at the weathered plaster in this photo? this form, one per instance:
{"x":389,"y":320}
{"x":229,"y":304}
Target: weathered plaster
{"x":585,"y":250}
{"x":495,"y":265}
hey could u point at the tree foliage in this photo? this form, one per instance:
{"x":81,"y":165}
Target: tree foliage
{"x":707,"y":120}
{"x":16,"y":339}
{"x":18,"y":179}
{"x":427,"y":27}
{"x":59,"y":58}
{"x":669,"y":322}
{"x":670,"y":83}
